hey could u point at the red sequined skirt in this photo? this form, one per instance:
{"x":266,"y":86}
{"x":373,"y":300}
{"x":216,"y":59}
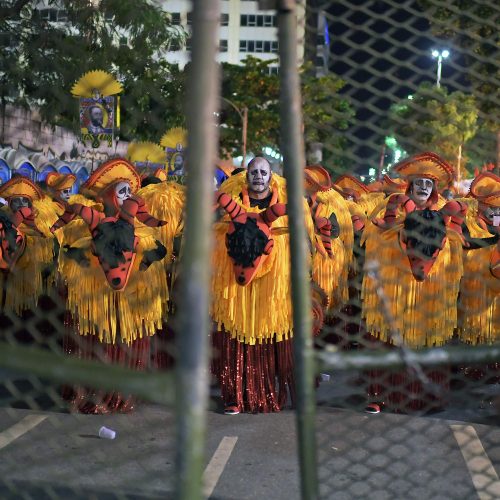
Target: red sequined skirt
{"x":254,"y":378}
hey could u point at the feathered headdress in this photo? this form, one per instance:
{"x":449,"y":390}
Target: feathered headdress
{"x":146,"y":152}
{"x":174,"y":139}
{"x":105,"y":83}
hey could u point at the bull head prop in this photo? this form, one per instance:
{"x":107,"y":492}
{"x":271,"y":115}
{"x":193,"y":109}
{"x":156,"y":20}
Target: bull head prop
{"x":424,"y":231}
{"x":248,"y":239}
{"x":12,"y":240}
{"x":113,"y":238}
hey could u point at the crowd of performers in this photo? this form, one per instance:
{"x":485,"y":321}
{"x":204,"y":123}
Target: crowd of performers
{"x":109,"y":253}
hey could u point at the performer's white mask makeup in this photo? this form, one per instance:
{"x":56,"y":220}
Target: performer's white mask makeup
{"x":122,"y":192}
{"x":18,"y":202}
{"x":492,"y":214}
{"x":421,"y":190}
{"x":65,"y":194}
{"x":259,"y":177}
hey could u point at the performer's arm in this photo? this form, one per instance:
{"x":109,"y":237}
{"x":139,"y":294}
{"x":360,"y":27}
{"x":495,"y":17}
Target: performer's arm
{"x":135,"y":207}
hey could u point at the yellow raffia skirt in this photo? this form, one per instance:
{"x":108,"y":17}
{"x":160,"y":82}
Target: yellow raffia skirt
{"x":479,"y":305}
{"x":133,"y":313}
{"x":424,"y":313}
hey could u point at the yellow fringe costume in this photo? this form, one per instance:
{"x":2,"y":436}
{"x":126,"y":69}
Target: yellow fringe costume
{"x":165,"y":201}
{"x":261,"y":311}
{"x":425,"y":313}
{"x":479,"y":304}
{"x":135,"y":312}
{"x":331,"y":274}
{"x":22,"y":286}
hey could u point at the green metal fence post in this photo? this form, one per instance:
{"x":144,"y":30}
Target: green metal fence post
{"x":192,"y":322}
{"x":294,"y":162}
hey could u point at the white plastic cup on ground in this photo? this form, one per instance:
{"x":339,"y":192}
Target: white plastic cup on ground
{"x":325,"y":377}
{"x":106,"y":433}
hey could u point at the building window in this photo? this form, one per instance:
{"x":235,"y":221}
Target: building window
{"x":176,"y":18}
{"x":53,"y":15}
{"x":123,"y":41}
{"x":222,"y":45}
{"x":188,"y":44}
{"x":258,"y":20}
{"x":175,"y":46}
{"x":190,"y":18}
{"x":261,"y":46}
{"x":224,"y":19}
{"x":273,"y":70}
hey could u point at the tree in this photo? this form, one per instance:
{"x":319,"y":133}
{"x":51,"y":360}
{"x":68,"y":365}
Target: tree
{"x":250,"y":85}
{"x":326,"y":113}
{"x":435,"y":120}
{"x":47,"y":50}
{"x":473,"y":26}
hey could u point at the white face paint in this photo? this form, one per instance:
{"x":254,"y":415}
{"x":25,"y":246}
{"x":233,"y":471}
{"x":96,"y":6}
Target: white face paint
{"x":122,"y":192}
{"x":421,"y":190}
{"x":259,"y":176}
{"x":65,"y":194}
{"x":492,"y":214}
{"x":18,"y":202}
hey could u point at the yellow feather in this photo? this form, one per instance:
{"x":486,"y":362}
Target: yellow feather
{"x":173,"y":137}
{"x":146,"y":152}
{"x":104,"y":82}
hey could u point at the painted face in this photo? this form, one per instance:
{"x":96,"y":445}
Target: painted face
{"x":122,"y":192}
{"x":259,"y":177}
{"x":65,"y":194}
{"x":18,"y":202}
{"x":492,"y":215}
{"x":421,"y":190}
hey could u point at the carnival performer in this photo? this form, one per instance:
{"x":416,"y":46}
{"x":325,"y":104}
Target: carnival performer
{"x":26,"y":249}
{"x":251,"y":292}
{"x":117,"y":290}
{"x":331,"y":260}
{"x":479,"y":305}
{"x":415,"y":256}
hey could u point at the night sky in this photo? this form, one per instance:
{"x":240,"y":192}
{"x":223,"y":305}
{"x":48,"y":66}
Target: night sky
{"x":382,"y":49}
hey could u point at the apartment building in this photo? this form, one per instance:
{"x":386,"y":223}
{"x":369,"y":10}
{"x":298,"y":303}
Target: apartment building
{"x":244,"y":30}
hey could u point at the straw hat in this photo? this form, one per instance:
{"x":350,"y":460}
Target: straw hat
{"x":486,"y":189}
{"x":426,"y":165}
{"x":58,"y":182}
{"x":111,"y":172}
{"x":20,"y":186}
{"x":317,"y":178}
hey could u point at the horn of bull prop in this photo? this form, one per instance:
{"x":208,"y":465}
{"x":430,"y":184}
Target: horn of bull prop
{"x":395,"y":202}
{"x":229,"y":205}
{"x":454,"y":214}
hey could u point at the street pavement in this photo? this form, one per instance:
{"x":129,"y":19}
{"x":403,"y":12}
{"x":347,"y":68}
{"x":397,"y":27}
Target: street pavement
{"x":50,"y":454}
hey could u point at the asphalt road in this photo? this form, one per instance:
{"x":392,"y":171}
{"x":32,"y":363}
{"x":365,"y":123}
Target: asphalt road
{"x":47,"y":454}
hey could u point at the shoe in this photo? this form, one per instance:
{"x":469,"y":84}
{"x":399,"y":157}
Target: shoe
{"x":231,"y":410}
{"x":373,"y":408}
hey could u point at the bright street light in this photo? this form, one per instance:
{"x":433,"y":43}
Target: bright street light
{"x":439,"y":56}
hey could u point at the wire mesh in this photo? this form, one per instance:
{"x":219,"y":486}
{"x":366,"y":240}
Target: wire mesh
{"x":405,"y":305}
{"x":404,"y":410}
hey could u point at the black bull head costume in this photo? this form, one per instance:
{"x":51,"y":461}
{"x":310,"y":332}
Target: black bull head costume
{"x":424,"y":231}
{"x":248,"y":238}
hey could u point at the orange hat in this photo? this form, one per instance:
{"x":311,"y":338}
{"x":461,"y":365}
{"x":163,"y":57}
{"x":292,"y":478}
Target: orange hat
{"x":348,"y":185}
{"x":20,"y":186}
{"x":111,"y":172}
{"x":317,"y":178}
{"x":393,"y":185}
{"x":427,"y":165}
{"x":161,"y":174}
{"x":58,"y":182}
{"x":486,"y":189}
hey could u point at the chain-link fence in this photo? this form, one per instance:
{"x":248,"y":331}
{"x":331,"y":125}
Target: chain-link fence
{"x":110,"y":261}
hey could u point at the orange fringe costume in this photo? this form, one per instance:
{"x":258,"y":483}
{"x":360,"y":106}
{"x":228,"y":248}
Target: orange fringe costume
{"x":113,"y":323}
{"x":253,"y":345}
{"x":479,"y":304}
{"x":424,"y":311}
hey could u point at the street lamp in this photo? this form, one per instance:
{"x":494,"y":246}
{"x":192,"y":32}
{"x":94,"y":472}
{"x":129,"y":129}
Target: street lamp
{"x":436,"y":54}
{"x":244,"y":122}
